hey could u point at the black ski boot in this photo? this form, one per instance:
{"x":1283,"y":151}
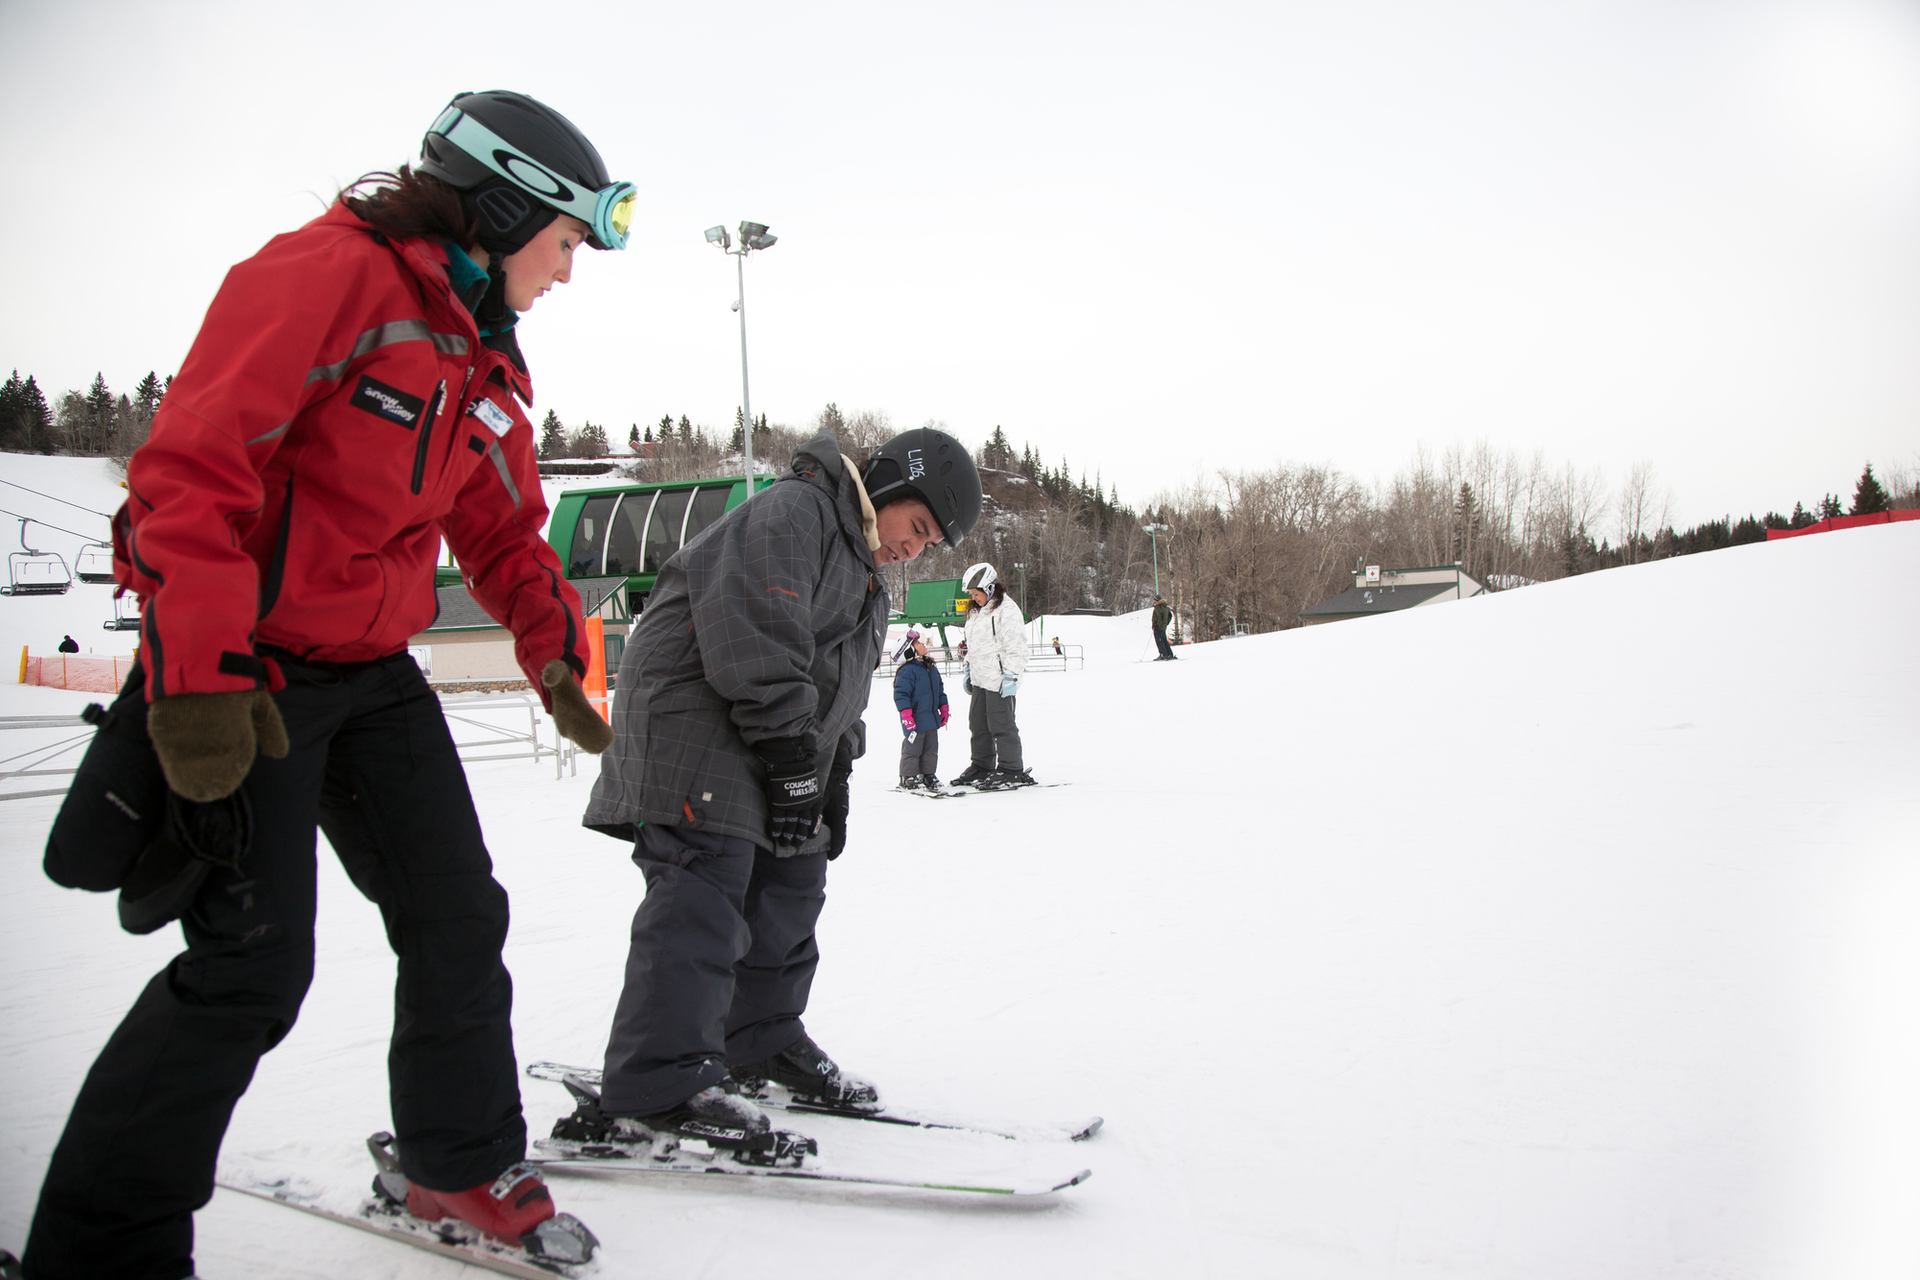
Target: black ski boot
{"x":974,"y":773}
{"x":929,"y":783}
{"x":814,"y":1079}
{"x":912,"y":784}
{"x":717,"y":1115}
{"x":1005,"y":780}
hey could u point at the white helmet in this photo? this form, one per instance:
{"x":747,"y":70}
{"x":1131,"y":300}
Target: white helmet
{"x":979,"y":577}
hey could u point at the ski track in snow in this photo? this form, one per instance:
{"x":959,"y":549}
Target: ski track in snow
{"x":1563,"y":934}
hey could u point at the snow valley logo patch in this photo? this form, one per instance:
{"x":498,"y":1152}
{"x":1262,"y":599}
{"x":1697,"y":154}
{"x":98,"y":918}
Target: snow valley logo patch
{"x":390,"y":403}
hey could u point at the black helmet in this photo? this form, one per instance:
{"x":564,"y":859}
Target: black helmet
{"x":934,"y":467}
{"x":519,"y":163}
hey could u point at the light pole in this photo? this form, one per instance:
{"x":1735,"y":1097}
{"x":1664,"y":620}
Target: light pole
{"x":1020,"y":567}
{"x":1153,"y":532}
{"x":753,"y":235}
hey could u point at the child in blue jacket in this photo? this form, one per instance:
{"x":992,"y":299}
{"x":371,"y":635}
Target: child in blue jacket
{"x":921,"y":698}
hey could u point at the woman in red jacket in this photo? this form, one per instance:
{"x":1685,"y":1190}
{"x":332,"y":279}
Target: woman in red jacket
{"x":355,"y":395}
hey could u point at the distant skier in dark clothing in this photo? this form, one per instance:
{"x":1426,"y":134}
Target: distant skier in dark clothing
{"x":1162,"y":615}
{"x":69,"y":645}
{"x":921,"y":698}
{"x":737,"y":723}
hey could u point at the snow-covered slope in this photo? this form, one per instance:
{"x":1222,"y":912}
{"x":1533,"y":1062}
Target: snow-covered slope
{"x":1559,"y":935}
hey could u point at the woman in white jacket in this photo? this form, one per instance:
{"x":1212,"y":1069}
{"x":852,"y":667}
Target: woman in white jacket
{"x":996,"y":659}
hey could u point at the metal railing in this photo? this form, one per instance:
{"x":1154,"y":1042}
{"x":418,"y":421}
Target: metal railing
{"x":1040,"y":657}
{"x":473,"y":719}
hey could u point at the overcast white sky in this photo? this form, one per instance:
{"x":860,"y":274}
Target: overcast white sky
{"x":1159,"y":239}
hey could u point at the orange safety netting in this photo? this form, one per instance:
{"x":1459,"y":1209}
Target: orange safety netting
{"x":1845,"y":522}
{"x":71,"y":671}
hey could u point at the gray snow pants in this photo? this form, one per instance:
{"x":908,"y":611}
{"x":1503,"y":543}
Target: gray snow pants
{"x":995,"y":736}
{"x":920,"y":754}
{"x":719,"y":967}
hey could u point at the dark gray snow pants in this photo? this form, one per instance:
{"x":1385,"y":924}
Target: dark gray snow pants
{"x":719,"y":967}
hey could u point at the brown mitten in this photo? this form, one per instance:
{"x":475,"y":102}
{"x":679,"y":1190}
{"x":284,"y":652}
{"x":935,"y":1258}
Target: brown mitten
{"x":573,"y":715}
{"x":206,"y":741}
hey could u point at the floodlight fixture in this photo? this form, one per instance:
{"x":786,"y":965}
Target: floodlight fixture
{"x":753,"y":235}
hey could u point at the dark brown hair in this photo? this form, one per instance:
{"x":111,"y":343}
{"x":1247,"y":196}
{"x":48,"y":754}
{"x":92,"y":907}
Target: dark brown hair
{"x":409,"y":205}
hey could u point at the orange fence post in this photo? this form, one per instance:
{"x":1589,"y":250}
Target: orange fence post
{"x":596,"y":683}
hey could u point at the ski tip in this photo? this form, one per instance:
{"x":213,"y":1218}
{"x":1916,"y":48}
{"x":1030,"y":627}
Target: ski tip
{"x":1088,"y":1129}
{"x":1074,"y":1181}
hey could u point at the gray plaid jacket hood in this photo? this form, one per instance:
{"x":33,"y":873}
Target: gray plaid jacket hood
{"x":767,"y":625}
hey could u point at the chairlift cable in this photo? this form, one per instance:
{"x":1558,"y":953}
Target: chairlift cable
{"x":62,"y":501}
{"x":44,"y":524}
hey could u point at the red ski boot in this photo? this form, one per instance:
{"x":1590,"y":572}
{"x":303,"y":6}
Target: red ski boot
{"x":515,"y":1208}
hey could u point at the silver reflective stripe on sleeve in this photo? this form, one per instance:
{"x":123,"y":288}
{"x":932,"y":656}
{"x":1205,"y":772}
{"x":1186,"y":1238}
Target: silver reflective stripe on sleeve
{"x":386,"y":335}
{"x":506,"y":476}
{"x":266,"y":436}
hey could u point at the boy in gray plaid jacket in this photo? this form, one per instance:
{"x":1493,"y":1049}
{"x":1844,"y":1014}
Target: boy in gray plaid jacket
{"x":736,"y":726}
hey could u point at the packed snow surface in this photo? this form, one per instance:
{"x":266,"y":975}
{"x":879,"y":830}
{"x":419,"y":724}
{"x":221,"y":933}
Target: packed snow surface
{"x":1563,"y":934}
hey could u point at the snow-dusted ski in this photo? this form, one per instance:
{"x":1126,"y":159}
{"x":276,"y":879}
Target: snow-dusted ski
{"x":564,"y":1156}
{"x":777,"y":1098}
{"x":924,"y":794}
{"x":379,"y":1218}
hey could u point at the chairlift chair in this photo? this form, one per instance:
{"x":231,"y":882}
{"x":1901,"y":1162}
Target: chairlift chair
{"x":126,"y":613}
{"x":36,"y":573}
{"x":94,"y":563}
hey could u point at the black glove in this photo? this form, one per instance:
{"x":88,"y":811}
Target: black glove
{"x":794,"y":794}
{"x":839,"y":800}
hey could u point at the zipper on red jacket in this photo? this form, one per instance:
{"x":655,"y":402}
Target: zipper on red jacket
{"x":426,"y":434}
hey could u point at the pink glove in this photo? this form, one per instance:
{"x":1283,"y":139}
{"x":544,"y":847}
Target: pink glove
{"x":945,"y":711}
{"x":906,"y":721}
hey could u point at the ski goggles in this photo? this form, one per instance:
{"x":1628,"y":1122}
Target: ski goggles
{"x":607,"y":212}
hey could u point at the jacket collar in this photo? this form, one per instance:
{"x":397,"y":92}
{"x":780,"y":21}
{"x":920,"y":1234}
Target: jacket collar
{"x":426,"y":258}
{"x":821,"y":456}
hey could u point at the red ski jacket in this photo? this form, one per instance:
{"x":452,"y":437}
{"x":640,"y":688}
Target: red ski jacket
{"x":335,"y":417}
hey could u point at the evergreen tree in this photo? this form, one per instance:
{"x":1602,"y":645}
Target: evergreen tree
{"x":98,"y":432}
{"x":1868,"y":497}
{"x":830,"y":420}
{"x":1829,"y":506}
{"x":36,"y":415}
{"x":686,"y":429}
{"x":13,"y":398}
{"x":592,"y":442}
{"x":1800,"y":518}
{"x":997,"y":454}
{"x":1466,"y":520}
{"x":738,"y":440}
{"x":146,"y":399}
{"x":633,"y":438}
{"x":648,"y":438}
{"x":553,"y":437}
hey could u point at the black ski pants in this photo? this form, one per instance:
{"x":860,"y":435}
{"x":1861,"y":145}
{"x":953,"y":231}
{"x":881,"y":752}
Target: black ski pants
{"x":373,"y":765}
{"x":1160,"y":642}
{"x":719,"y":968}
